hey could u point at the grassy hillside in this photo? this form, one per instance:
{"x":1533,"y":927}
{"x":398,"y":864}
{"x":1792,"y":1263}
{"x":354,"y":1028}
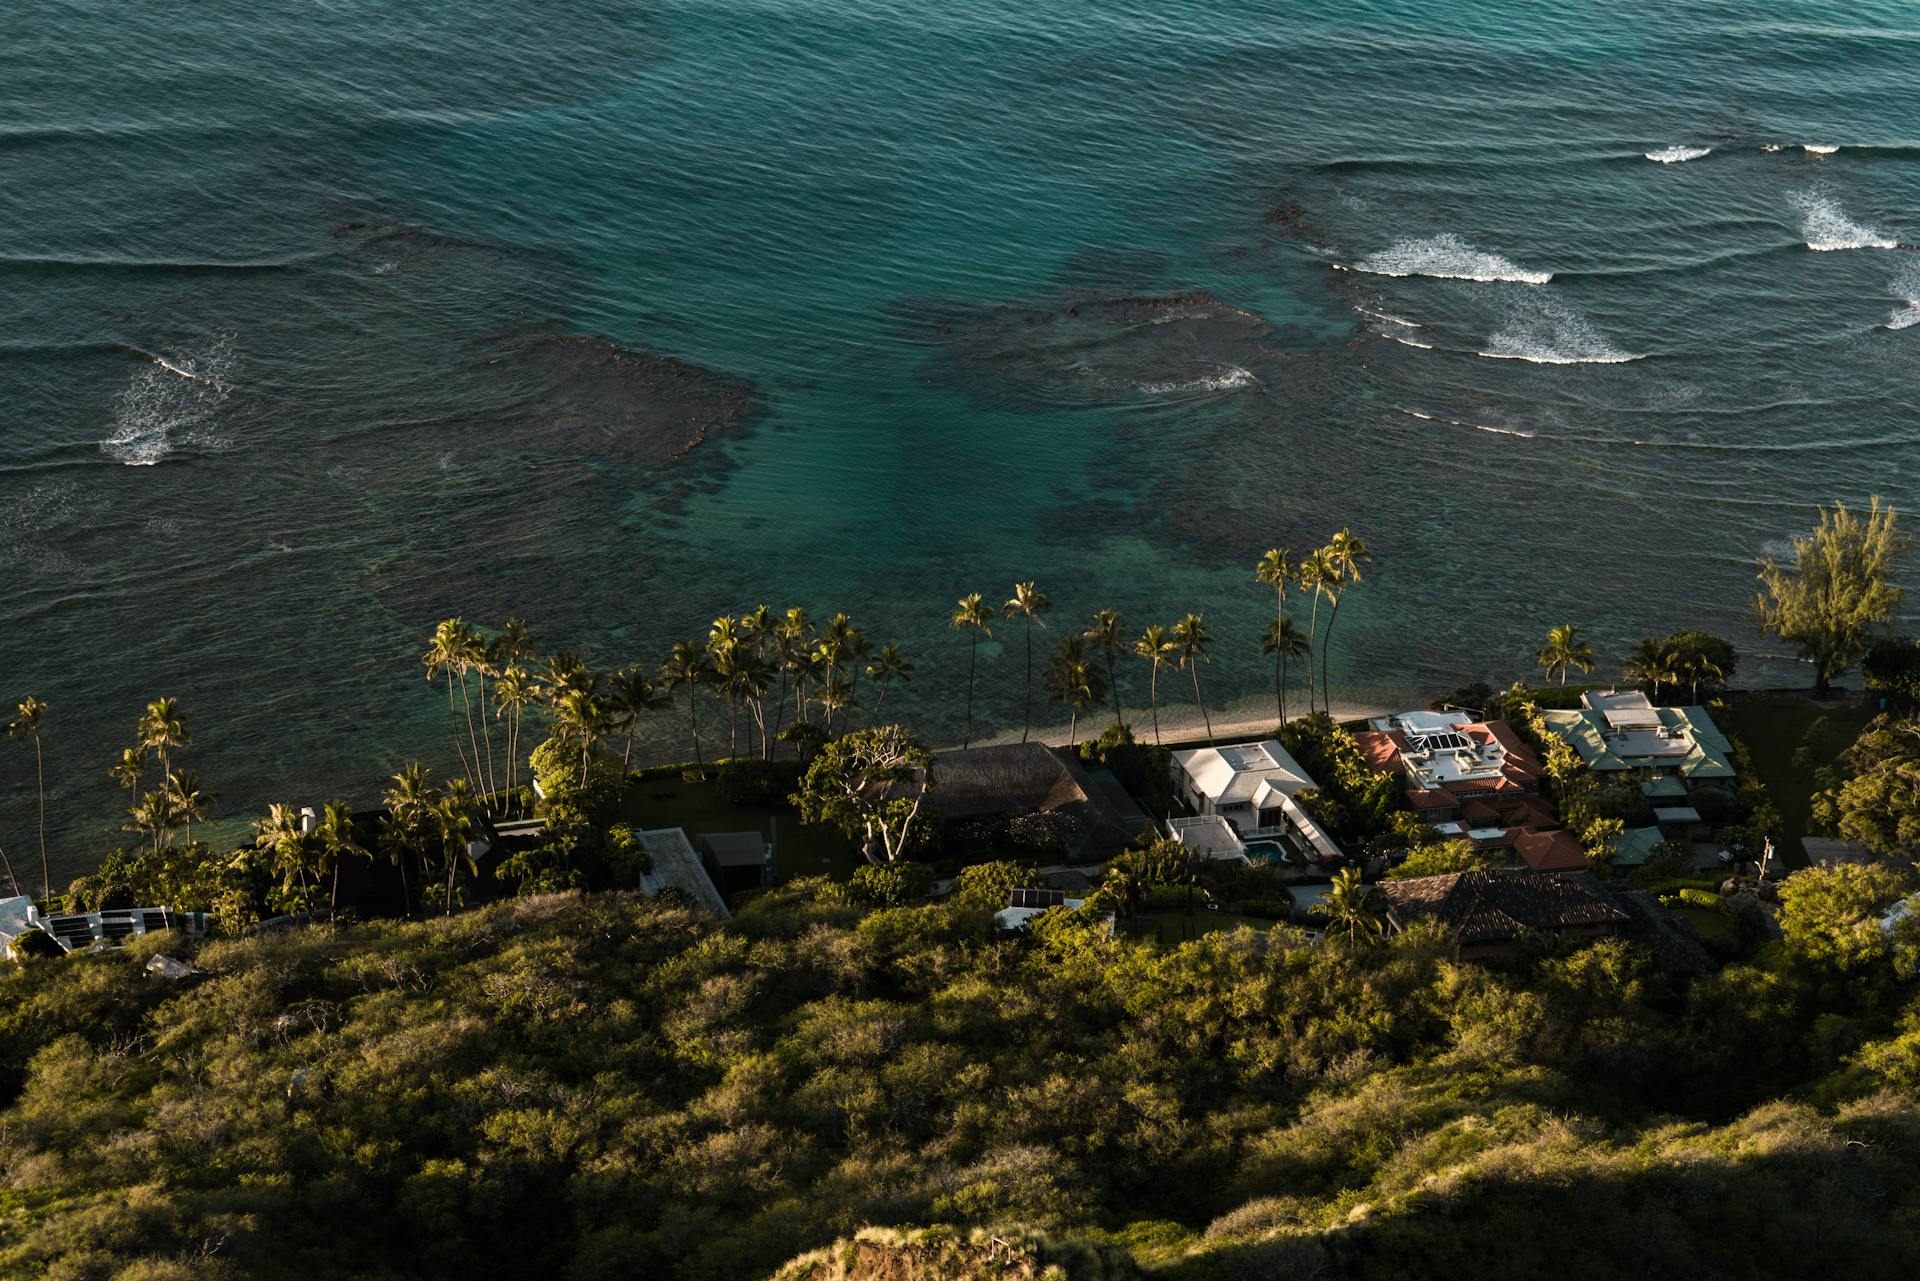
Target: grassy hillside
{"x":601,"y":1087}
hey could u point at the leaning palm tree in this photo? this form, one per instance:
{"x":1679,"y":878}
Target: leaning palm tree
{"x":1277,"y":569}
{"x":26,"y":728}
{"x":1345,"y":552}
{"x":1155,"y":646}
{"x":1029,"y":603}
{"x":1192,"y":640}
{"x":687,"y":665}
{"x":186,"y":800}
{"x":1350,"y":905}
{"x":976,"y":616}
{"x":631,"y":694}
{"x":1564,"y":649}
{"x":1286,"y":642}
{"x":1316,"y":575}
{"x":1108,"y":632}
{"x":887,"y":667}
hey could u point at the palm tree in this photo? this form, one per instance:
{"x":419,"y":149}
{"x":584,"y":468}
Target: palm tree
{"x":1286,"y":642}
{"x":162,"y":728}
{"x":129,"y":769}
{"x":792,"y":643}
{"x":1316,"y":573}
{"x":149,"y":818}
{"x":1028,"y":602}
{"x":410,"y":802}
{"x":1565,"y":649}
{"x":443,"y":657}
{"x":973,"y":614}
{"x":1345,"y":552}
{"x":337,"y":836}
{"x":888,"y":666}
{"x":1277,"y":569}
{"x":723,"y":649}
{"x":476,"y":657}
{"x":185,"y":800}
{"x":1652,"y":664}
{"x":1349,"y":904}
{"x":1192,"y":639}
{"x":1693,"y":667}
{"x":578,"y":714}
{"x":513,"y":692}
{"x":453,"y":817}
{"x":631,"y":695}
{"x":25,"y":727}
{"x":1073,"y":681}
{"x":294,"y":861}
{"x":687,"y":665}
{"x":1155,"y":646}
{"x":1108,"y":632}
{"x":836,"y":695}
{"x":7,"y":862}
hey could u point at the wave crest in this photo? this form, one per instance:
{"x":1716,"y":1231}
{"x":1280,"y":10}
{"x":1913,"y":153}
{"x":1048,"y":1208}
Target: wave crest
{"x":1447,"y":257}
{"x":1827,"y":227}
{"x":168,"y":402}
{"x":1548,"y":332}
{"x":1678,"y":155}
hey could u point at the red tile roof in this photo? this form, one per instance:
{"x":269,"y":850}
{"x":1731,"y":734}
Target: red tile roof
{"x":1555,"y":851}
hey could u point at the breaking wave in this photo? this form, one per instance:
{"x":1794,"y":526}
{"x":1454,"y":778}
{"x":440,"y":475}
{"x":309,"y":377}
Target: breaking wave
{"x":1231,"y":378}
{"x":1391,"y":320}
{"x":168,"y":402}
{"x":1461,"y":422}
{"x":1827,"y":227}
{"x":1819,"y":148}
{"x":1906,"y":286}
{"x":1678,"y":155}
{"x":1447,"y":257}
{"x":1548,"y":332}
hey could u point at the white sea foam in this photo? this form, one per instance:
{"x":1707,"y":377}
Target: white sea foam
{"x":1827,"y":227}
{"x":1546,"y":331}
{"x":1818,"y":148}
{"x":1906,"y":286}
{"x":1678,"y":155}
{"x":1461,"y":422}
{"x":1905,"y":317}
{"x":1391,"y":320}
{"x":169,"y":402}
{"x":1447,"y":257}
{"x":1408,"y":342}
{"x":1230,"y":378}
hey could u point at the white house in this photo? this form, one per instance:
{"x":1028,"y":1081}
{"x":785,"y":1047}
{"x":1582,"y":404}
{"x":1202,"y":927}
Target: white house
{"x":1251,"y":788}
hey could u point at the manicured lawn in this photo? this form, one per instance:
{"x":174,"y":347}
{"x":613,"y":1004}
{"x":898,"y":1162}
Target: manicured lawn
{"x":1774,"y":727}
{"x":1178,"y":927}
{"x":664,"y":800}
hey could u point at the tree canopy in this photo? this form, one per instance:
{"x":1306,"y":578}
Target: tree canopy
{"x":1838,"y":590}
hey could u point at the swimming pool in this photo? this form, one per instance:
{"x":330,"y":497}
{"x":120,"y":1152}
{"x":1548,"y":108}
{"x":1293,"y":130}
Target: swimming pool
{"x":1267,"y":852}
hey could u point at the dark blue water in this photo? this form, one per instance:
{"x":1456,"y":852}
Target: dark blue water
{"x":321,"y":321}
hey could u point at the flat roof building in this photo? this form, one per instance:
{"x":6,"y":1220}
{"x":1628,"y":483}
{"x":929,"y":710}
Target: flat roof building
{"x":1252,"y":788}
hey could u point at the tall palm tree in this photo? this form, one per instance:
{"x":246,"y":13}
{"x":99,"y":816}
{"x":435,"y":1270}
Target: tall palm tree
{"x":1074,"y":680}
{"x":724,"y":642}
{"x":1157,"y":648}
{"x":1565,"y":649}
{"x":1346,"y":552}
{"x":1350,"y":905}
{"x":687,"y":665}
{"x":792,"y":643}
{"x":26,"y":728}
{"x":186,"y":801}
{"x":973,"y":614}
{"x":1028,"y":602}
{"x":1277,"y":570}
{"x":1316,"y":573}
{"x":339,"y":839}
{"x":836,"y":695}
{"x":1286,"y":642}
{"x":442,"y":659}
{"x":1193,"y":640}
{"x":513,"y":693}
{"x":163,"y":728}
{"x":631,"y":694}
{"x":578,"y":714}
{"x":888,"y":666}
{"x":476,"y":659}
{"x":1108,"y":631}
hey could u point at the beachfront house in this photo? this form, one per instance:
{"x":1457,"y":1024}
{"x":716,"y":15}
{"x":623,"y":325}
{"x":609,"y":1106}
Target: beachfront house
{"x":1244,"y":794}
{"x":677,"y":867}
{"x":93,"y":931}
{"x":1034,"y":797}
{"x":1680,"y":748}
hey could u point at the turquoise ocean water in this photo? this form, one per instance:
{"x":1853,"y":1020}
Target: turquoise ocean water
{"x":321,"y":321}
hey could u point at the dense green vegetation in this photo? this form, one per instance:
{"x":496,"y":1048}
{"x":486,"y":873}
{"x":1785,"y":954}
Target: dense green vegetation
{"x":598,"y":1086}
